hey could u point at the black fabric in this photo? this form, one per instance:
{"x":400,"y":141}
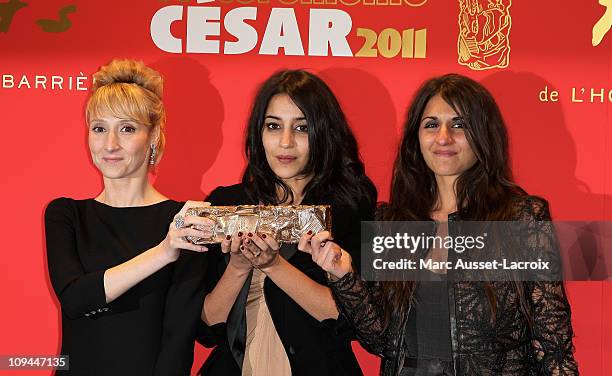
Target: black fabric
{"x":427,"y":367}
{"x":149,"y":330}
{"x":313,"y":347}
{"x":428,"y":328}
{"x":507,"y":345}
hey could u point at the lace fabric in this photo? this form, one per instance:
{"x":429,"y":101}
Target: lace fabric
{"x":506,"y":344}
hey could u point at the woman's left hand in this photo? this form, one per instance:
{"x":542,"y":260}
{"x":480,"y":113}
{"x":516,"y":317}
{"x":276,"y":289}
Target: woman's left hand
{"x":327,"y":254}
{"x":261,"y":250}
{"x":182,"y":227}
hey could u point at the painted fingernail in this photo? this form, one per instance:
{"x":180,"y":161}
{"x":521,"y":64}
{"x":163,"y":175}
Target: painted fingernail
{"x":228,"y":237}
{"x":309,"y":232}
{"x":263,"y":236}
{"x":250,"y":235}
{"x":240,"y":234}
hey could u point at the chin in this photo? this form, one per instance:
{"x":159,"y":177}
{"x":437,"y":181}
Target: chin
{"x":284,"y":173}
{"x":113,"y":175}
{"x":447,"y":172}
{"x":446,"y":169}
{"x":286,"y":176}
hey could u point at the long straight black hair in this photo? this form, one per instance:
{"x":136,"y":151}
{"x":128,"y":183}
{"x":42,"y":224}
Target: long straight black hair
{"x":333,"y":159}
{"x":485,"y":191}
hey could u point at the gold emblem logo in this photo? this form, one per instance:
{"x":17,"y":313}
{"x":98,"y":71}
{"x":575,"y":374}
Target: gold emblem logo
{"x":60,"y":25}
{"x":7,"y":11}
{"x":484,"y":31}
{"x":602,"y":26}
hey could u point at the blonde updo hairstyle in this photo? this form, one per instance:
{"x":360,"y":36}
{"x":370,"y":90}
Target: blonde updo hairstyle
{"x":128,"y":89}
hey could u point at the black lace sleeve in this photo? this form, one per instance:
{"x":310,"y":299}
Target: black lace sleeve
{"x":552,"y":328}
{"x":359,"y":304}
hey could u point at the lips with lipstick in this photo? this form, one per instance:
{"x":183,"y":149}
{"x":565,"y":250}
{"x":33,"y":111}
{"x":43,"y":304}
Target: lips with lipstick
{"x":286,"y":159}
{"x":444,"y":153}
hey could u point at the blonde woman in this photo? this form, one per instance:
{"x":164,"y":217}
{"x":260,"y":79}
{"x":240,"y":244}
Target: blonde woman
{"x":130,"y":298}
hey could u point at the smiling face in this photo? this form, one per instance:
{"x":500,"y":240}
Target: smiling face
{"x":442,"y":139}
{"x":120,"y":148}
{"x":285,"y":138}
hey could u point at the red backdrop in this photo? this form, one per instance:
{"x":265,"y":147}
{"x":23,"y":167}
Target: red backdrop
{"x":560,"y":149}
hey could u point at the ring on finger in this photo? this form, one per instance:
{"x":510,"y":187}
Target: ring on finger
{"x":179,"y":222}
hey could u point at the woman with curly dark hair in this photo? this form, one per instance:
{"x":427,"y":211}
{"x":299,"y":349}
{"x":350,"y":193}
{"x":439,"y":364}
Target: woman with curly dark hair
{"x":452,"y":166}
{"x":268,"y":310}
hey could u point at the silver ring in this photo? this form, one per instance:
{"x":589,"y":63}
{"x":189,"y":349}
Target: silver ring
{"x":179,"y":222}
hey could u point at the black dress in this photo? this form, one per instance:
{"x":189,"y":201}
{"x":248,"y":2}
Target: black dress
{"x":149,"y":330}
{"x":312,"y":347}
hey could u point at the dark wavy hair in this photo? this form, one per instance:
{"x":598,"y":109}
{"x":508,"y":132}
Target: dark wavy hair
{"x":485,"y":191}
{"x":333,"y":160}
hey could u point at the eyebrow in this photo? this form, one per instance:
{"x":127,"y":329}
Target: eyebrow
{"x":278,"y":118}
{"x":120,"y":122}
{"x":436,"y":118}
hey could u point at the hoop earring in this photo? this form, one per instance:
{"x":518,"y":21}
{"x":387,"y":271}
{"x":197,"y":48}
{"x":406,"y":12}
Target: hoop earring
{"x":153,"y":155}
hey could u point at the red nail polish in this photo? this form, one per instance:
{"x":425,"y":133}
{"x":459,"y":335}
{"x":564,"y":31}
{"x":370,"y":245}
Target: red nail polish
{"x":240,"y":234}
{"x":250,"y":235}
{"x":309,"y":232}
{"x":263,"y":236}
{"x":228,"y":237}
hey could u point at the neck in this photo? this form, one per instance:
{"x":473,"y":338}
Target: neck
{"x":447,"y":197}
{"x":297,"y":186}
{"x":129,"y":192}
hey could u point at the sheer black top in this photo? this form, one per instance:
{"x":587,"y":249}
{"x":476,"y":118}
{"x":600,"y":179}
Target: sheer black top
{"x":509,"y":345}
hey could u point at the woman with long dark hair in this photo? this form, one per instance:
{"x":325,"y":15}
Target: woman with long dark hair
{"x":452,"y":166}
{"x":268,"y":310}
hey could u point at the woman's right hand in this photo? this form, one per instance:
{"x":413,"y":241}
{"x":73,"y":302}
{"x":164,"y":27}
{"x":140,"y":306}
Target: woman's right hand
{"x":231,"y":245}
{"x":327,"y":254}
